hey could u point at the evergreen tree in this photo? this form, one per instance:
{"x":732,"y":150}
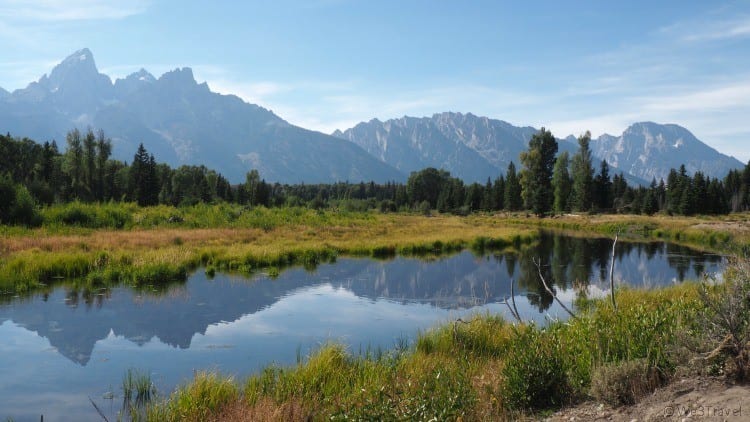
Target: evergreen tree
{"x":488,"y":199}
{"x":474,"y":195}
{"x":252,"y":186}
{"x":512,"y":200}
{"x":8,"y":198}
{"x":498,"y":193}
{"x":661,"y":195}
{"x":89,"y":159}
{"x":103,"y":151}
{"x":619,"y":191}
{"x":561,"y":183}
{"x":716,"y":198}
{"x":700,"y":193}
{"x":603,"y":187}
{"x":142,"y":178}
{"x":687,"y":198}
{"x":583,"y":175}
{"x":650,"y":205}
{"x":74,"y":164}
{"x":204,"y":190}
{"x":674,"y":191}
{"x":536,"y":176}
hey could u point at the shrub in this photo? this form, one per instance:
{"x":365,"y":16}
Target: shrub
{"x":424,"y":208}
{"x":196,"y":401}
{"x":24,"y":209}
{"x":624,"y":382}
{"x":534,"y":371}
{"x":726,"y":321}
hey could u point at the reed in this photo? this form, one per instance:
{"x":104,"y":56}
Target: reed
{"x":137,"y":388}
{"x":480,"y":368}
{"x":196,"y":401}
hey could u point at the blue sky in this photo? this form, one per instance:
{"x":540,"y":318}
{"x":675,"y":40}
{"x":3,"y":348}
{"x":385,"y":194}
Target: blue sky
{"x":571,"y":66}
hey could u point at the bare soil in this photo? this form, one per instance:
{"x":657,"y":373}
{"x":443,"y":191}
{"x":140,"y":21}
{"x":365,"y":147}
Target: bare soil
{"x":687,"y":399}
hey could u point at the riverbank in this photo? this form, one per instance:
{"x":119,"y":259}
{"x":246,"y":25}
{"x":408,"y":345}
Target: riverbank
{"x":487,"y":368}
{"x":164,"y":243}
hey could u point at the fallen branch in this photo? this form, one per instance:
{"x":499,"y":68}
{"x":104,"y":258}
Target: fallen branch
{"x":612,"y":273}
{"x":546,"y":287}
{"x":514,"y":311}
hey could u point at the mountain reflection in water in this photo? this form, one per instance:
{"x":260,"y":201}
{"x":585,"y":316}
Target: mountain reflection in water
{"x":244,"y":323}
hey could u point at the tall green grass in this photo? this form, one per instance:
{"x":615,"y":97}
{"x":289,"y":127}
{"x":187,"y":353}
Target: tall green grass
{"x":481,"y":368}
{"x":195,"y":401}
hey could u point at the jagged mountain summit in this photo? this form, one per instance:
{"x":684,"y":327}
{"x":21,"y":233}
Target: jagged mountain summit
{"x":648,"y":150}
{"x":470,"y":147}
{"x":182,"y":122}
{"x":474,"y":148}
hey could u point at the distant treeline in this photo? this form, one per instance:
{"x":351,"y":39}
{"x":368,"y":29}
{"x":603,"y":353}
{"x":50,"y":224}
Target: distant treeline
{"x":33,"y":174}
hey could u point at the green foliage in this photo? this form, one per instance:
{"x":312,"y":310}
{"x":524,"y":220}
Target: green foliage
{"x":617,"y":356}
{"x":137,"y":387}
{"x":439,"y":394}
{"x":22,"y":273}
{"x":512,"y":196}
{"x":536,"y":176}
{"x":17,"y":206}
{"x":726,"y":321}
{"x":24,"y":210}
{"x":480,"y":337}
{"x":561,"y":183}
{"x":107,"y":215}
{"x":156,"y":274}
{"x":535,"y":371}
{"x":7,"y":198}
{"x":603,"y":188}
{"x":583,"y":175}
{"x":425,"y":186}
{"x":86,"y":173}
{"x":203,"y":396}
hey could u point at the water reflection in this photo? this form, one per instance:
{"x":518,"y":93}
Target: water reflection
{"x":239,"y":325}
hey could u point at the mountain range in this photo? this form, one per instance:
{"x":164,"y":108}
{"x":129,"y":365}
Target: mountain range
{"x":475,"y":147}
{"x":183,"y":122}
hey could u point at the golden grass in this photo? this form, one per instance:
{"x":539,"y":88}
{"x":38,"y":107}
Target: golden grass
{"x":381,"y":229}
{"x":394,"y":230}
{"x":29,"y":257}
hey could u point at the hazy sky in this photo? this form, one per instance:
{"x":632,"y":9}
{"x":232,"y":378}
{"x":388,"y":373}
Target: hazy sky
{"x":325,"y":64}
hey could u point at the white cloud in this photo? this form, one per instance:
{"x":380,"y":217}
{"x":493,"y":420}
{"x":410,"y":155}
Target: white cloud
{"x":724,"y":97}
{"x":252,"y":92}
{"x":69,"y":10}
{"x":715,"y":30}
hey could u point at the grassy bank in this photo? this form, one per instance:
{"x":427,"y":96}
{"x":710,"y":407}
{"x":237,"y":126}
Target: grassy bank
{"x":725,"y":234}
{"x":276,"y":238}
{"x":122,"y":243}
{"x":483,"y":369}
{"x":487,"y":368}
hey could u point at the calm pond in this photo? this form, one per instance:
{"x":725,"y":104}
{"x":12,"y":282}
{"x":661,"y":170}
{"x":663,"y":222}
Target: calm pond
{"x":61,"y":347}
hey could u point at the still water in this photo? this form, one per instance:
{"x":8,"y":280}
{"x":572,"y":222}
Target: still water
{"x":62,"y":348}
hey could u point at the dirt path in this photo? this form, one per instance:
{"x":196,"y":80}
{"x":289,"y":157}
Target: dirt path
{"x":690,"y":399}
